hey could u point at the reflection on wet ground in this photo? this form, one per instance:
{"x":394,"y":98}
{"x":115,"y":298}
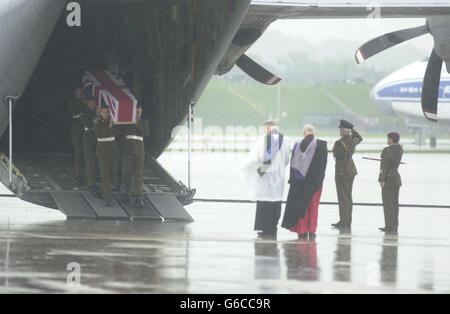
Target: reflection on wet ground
{"x":219,"y":254}
{"x":301,"y":260}
{"x":343,"y":256}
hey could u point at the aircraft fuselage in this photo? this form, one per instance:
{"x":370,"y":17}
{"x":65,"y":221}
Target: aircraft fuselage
{"x":400,"y":93}
{"x":166,"y":52}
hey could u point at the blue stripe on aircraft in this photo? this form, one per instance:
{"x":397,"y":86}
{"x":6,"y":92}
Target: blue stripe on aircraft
{"x":410,"y":90}
{"x":417,"y":100}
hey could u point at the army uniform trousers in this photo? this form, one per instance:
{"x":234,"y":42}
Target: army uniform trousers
{"x":390,"y":196}
{"x":344,"y":188}
{"x":77,"y":133}
{"x":134,"y":168}
{"x":119,"y":166}
{"x":107,"y":167}
{"x":90,"y":160}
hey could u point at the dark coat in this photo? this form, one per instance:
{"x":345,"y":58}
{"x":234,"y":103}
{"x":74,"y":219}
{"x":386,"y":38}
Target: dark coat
{"x":301,"y":192}
{"x":390,"y":161}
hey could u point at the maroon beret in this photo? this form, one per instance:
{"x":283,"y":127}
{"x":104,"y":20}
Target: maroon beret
{"x":394,"y":136}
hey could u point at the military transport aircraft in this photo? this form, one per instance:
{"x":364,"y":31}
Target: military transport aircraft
{"x":167,"y":51}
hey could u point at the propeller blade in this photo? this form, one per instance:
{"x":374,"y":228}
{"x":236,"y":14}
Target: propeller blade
{"x":256,"y":71}
{"x":387,"y":41}
{"x":430,"y":87}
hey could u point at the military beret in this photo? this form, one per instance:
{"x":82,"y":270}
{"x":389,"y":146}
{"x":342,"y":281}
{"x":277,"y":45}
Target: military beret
{"x":394,"y":136}
{"x":346,"y":125}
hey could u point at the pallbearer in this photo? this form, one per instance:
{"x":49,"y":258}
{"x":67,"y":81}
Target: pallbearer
{"x":345,"y":171}
{"x":106,"y":151}
{"x":135,"y":157}
{"x":76,"y":108}
{"x":119,"y":168}
{"x":391,"y":181}
{"x":265,"y":172}
{"x":90,"y":143}
{"x":308,"y":165}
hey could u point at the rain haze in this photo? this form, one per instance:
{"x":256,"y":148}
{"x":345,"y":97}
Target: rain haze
{"x":177,"y":211}
{"x":327,"y":37}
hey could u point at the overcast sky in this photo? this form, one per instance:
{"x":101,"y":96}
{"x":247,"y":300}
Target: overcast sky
{"x":360,"y":30}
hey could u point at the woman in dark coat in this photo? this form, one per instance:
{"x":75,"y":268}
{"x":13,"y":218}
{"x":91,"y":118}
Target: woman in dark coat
{"x":308,"y":165}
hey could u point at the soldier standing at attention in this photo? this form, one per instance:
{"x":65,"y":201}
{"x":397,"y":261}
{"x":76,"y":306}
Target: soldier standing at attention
{"x":76,"y":108}
{"x":390,"y":181}
{"x":345,"y":172}
{"x":106,"y":151}
{"x":134,"y":158}
{"x":119,"y":166}
{"x":90,"y":143}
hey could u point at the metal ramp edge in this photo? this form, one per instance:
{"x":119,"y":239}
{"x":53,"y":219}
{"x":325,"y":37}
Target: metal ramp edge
{"x":169,"y":207}
{"x":83,"y":205}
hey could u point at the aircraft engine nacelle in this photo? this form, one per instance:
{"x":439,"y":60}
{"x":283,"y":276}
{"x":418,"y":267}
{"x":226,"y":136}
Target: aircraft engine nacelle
{"x":440,"y":29}
{"x":243,"y":40}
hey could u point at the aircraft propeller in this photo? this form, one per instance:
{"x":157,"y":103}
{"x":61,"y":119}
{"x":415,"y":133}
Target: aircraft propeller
{"x":256,"y":71}
{"x":431,"y":82}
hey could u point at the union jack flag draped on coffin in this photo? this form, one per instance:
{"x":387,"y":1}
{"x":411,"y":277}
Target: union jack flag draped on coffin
{"x":109,"y":90}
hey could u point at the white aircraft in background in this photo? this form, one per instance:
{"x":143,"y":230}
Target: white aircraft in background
{"x":400,"y":93}
{"x":432,"y":89}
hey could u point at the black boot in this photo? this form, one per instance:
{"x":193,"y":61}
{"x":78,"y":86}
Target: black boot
{"x":341,"y":226}
{"x":303,"y":236}
{"x":389,"y":229}
{"x":267,"y":236}
{"x":311,"y":236}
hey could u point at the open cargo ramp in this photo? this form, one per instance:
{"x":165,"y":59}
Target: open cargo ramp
{"x":48,"y":180}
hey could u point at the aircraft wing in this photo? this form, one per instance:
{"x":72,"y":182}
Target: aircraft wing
{"x":262,"y":13}
{"x":297,"y":9}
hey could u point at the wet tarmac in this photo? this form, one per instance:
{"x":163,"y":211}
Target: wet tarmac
{"x":41,"y":252}
{"x":219,"y":254}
